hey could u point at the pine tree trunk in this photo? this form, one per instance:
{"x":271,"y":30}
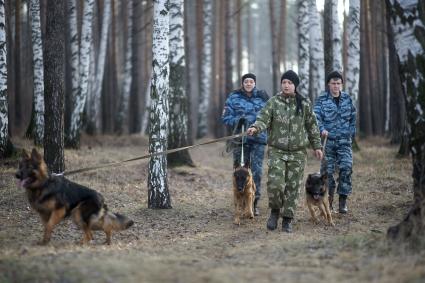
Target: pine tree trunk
{"x":275,"y":46}
{"x":206,"y":68}
{"x":158,"y":194}
{"x":332,"y":40}
{"x":178,"y":102}
{"x":73,"y":140}
{"x":4,"y":121}
{"x":36,"y":128}
{"x":408,"y":20}
{"x":317,"y":60}
{"x":54,"y":81}
{"x":303,"y":47}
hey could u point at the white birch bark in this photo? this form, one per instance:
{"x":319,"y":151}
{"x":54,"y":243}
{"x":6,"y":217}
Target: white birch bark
{"x":336,"y":38}
{"x":4,"y":122}
{"x":96,"y":89}
{"x":408,"y":22}
{"x":158,"y":195}
{"x":303,"y":47}
{"x":74,"y":48}
{"x":317,"y":59}
{"x":84,"y":65}
{"x":123,"y":112}
{"x":353,"y":52}
{"x":206,"y":69}
{"x":37,"y":50}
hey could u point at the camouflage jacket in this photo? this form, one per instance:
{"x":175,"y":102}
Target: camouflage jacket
{"x":287,"y":130}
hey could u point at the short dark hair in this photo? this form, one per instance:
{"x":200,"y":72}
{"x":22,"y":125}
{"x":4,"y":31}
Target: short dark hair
{"x":334,"y":75}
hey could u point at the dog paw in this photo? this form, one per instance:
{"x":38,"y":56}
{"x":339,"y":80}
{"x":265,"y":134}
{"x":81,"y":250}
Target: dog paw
{"x":237,"y":222}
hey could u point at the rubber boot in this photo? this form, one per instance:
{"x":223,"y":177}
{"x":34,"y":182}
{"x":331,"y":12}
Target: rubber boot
{"x":343,"y":204}
{"x":272,"y":221}
{"x":287,"y":225}
{"x":256,"y":210}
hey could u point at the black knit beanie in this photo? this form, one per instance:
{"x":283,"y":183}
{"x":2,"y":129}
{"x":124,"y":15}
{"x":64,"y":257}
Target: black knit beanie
{"x":334,"y":75}
{"x":292,"y":76}
{"x":249,"y":75}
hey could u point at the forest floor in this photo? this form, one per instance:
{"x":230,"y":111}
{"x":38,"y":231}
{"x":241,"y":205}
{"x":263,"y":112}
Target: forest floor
{"x":196,"y":241}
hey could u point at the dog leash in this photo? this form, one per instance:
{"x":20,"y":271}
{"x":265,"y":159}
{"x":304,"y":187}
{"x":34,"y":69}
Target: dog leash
{"x":168,"y":151}
{"x":242,"y":159}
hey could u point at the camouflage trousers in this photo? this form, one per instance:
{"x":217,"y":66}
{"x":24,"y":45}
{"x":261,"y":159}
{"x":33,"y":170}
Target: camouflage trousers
{"x":285,"y":178}
{"x":338,"y":153}
{"x":253,"y":155}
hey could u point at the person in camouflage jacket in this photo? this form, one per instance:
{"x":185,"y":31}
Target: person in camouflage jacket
{"x":292,"y":128}
{"x":241,"y":109}
{"x":336,"y":117}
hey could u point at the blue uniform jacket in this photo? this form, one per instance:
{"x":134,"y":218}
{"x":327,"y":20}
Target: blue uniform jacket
{"x":238,"y":105}
{"x":338,"y":120}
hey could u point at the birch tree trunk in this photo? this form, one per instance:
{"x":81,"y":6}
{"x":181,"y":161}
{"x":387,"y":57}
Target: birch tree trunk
{"x":4,"y":120}
{"x":36,"y":128}
{"x":206,"y":69}
{"x":332,"y":40}
{"x":73,"y":140}
{"x":408,"y":20}
{"x":158,"y":195}
{"x":54,"y":81}
{"x":148,"y":102}
{"x":123,"y":111}
{"x":353,"y":53}
{"x":178,"y":102}
{"x":317,"y":60}
{"x":93,"y":115}
{"x":303,"y":47}
{"x":275,"y":46}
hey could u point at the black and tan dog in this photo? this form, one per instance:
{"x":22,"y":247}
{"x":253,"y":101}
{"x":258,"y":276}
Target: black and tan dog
{"x":243,"y":193}
{"x":55,"y":198}
{"x":317,"y":195}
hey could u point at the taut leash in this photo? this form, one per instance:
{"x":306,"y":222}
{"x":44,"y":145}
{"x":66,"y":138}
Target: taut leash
{"x":242,"y":159}
{"x":168,"y":151}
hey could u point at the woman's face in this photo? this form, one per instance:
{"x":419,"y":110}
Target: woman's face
{"x":288,"y":87}
{"x":248,"y":85}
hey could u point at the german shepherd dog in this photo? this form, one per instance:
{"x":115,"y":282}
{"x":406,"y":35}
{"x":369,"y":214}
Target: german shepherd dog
{"x":243,"y":193}
{"x":317,"y":195}
{"x":55,"y":198}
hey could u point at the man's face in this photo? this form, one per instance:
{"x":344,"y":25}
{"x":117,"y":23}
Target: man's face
{"x":248,"y":84}
{"x":288,"y":87}
{"x":335,"y":86}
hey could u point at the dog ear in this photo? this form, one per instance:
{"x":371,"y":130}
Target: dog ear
{"x":308,"y":181}
{"x":35,"y":155}
{"x":324,"y":176}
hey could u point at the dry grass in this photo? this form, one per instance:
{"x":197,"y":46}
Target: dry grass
{"x":196,"y":240}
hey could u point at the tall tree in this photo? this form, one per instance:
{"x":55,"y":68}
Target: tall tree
{"x":123,"y":109}
{"x":178,"y":102}
{"x":80,"y":97}
{"x":36,"y":128}
{"x":317,"y":60}
{"x":408,"y":21}
{"x":304,"y":47}
{"x":332,"y":39}
{"x":352,"y":72}
{"x":94,"y":103}
{"x":54,"y":81}
{"x":206,"y":68}
{"x":275,"y":45}
{"x":4,"y":122}
{"x":158,"y":194}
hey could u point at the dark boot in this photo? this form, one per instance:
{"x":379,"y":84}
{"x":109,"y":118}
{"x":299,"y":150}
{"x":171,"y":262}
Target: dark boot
{"x":272,"y":221}
{"x":287,"y":225}
{"x":256,"y":210}
{"x":343,"y":204}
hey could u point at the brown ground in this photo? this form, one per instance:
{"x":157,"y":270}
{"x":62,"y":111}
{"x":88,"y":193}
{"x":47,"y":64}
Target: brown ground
{"x":196,"y":240}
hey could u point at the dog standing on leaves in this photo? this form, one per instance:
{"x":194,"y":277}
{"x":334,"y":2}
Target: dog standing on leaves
{"x":317,"y":195}
{"x":243,"y":193}
{"x":55,"y":198}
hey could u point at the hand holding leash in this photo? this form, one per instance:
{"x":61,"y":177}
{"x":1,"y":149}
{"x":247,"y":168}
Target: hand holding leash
{"x":251,"y":131}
